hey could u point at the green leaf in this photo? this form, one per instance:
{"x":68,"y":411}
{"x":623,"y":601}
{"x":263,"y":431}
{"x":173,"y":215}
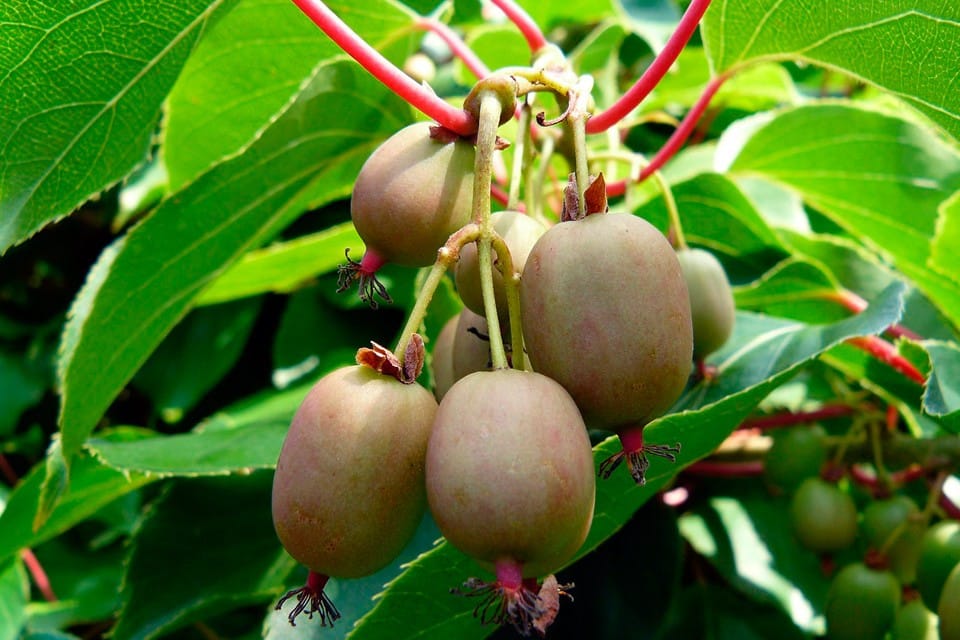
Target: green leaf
{"x":795,"y":289}
{"x":145,"y":283}
{"x":92,"y":485}
{"x":14,"y":596}
{"x":80,"y":95}
{"x":762,"y":353}
{"x":880,"y":177}
{"x":716,"y":611}
{"x":207,"y":546}
{"x":942,"y":398}
{"x":196,"y":355}
{"x":943,"y":255}
{"x":250,"y":64}
{"x":201,"y":453}
{"x":284,"y":266}
{"x":859,"y":41}
{"x":22,"y":386}
{"x":716,"y":214}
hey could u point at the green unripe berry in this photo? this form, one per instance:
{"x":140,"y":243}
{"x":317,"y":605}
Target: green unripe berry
{"x":939,"y":554}
{"x":861,"y":603}
{"x":823,"y":517}
{"x":796,"y":454}
{"x":711,"y":300}
{"x":949,"y":607}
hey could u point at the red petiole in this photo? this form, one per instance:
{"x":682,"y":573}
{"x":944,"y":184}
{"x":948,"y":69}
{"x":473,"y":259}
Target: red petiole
{"x":528,"y":28}
{"x":385,"y":71}
{"x":651,"y":77}
{"x":457,"y":46}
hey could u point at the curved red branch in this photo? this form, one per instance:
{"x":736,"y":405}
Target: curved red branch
{"x":886,"y":352}
{"x":641,"y":89}
{"x":385,"y":71}
{"x":676,"y":140}
{"x":457,"y":46}
{"x":531,"y":32}
{"x":786,"y":419}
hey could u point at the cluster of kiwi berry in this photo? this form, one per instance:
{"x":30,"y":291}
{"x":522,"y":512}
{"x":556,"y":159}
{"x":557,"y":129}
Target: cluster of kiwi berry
{"x":907,"y":584}
{"x":603,"y":321}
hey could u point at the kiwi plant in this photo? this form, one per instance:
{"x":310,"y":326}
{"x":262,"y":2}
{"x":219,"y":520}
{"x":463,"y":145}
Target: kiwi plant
{"x":576,"y":320}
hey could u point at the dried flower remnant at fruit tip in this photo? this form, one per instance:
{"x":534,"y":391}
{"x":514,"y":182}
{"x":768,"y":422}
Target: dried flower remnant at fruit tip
{"x":528,"y":607}
{"x":635,"y":452}
{"x":595,"y":198}
{"x":311,"y":599}
{"x":369,"y":287}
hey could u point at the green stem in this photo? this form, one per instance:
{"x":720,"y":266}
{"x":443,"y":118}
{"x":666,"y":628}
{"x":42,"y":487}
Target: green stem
{"x":535,"y":206}
{"x":579,"y":127}
{"x":519,"y":159}
{"x":447,"y":256}
{"x":490,"y":109}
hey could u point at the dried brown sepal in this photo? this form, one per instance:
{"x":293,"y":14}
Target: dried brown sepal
{"x":413,"y":358}
{"x":595,"y":197}
{"x":571,"y":200}
{"x":550,"y":592}
{"x":519,"y":607}
{"x":384,"y":361}
{"x":443,"y":135}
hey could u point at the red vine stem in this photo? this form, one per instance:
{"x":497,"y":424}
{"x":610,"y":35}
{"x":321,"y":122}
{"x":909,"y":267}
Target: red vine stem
{"x":385,"y":71}
{"x":528,"y":28}
{"x":800,"y":417}
{"x":39,"y":575}
{"x":886,"y":352}
{"x":680,"y":135}
{"x":457,"y":46}
{"x":641,"y":89}
{"x":856,"y":304}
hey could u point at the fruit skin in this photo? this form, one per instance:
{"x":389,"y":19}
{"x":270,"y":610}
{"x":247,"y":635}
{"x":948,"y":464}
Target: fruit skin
{"x":796,"y":454}
{"x":443,"y":358}
{"x":510,"y":472}
{"x":881,"y":518}
{"x":712,"y":306}
{"x":520,"y":232}
{"x":606,"y":314}
{"x":823,"y":517}
{"x":939,"y":553}
{"x":914,"y":622}
{"x":411,"y":194}
{"x":471,"y":352}
{"x":348,"y":491}
{"x":949,"y":607}
{"x":861,"y":603}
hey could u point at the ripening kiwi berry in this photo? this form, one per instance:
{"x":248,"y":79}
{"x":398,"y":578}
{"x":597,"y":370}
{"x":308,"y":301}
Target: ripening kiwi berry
{"x":606,"y":313}
{"x":348,"y":492}
{"x":412,"y":193}
{"x":823,"y":517}
{"x":711,"y":300}
{"x":510,"y":482}
{"x":949,"y":607}
{"x":861,"y":603}
{"x":892,"y":526}
{"x":914,"y":622}
{"x":939,"y":554}
{"x":520,"y":232}
{"x":796,"y":454}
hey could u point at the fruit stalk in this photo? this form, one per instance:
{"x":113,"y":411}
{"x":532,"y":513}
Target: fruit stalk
{"x":421,"y":98}
{"x":519,"y":156}
{"x":654,"y":73}
{"x":446,"y":256}
{"x":490,"y":110}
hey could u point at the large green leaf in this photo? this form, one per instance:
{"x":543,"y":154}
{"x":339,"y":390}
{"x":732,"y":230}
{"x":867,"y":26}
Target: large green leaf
{"x":81,"y":85}
{"x":880,"y":177}
{"x":797,"y":289}
{"x":208,"y":452}
{"x":146,"y":282}
{"x":907,"y":47}
{"x":92,"y":486}
{"x":250,"y":64}
{"x":207,"y":546}
{"x":14,"y":595}
{"x":942,"y":398}
{"x":944,"y":256}
{"x":763,"y":353}
{"x":284,"y":266}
